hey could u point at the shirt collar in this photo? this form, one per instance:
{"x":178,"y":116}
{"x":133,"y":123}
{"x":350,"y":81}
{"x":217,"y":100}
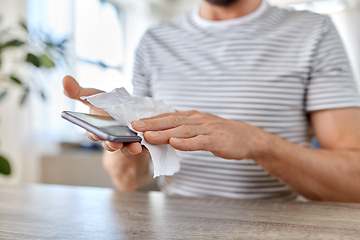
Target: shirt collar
{"x":205,"y":23}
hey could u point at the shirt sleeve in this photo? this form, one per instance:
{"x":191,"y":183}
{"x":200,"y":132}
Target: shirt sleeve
{"x":331,"y":83}
{"x":141,"y":73}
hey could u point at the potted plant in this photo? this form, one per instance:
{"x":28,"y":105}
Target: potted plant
{"x":33,"y":50}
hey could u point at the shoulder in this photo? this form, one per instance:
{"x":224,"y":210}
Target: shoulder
{"x":299,"y":18}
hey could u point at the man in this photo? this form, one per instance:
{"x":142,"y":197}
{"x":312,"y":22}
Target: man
{"x":259,"y":77}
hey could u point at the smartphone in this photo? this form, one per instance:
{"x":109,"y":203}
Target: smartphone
{"x":105,"y":127}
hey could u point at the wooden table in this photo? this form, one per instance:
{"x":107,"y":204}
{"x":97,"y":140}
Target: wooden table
{"x":64,"y":212}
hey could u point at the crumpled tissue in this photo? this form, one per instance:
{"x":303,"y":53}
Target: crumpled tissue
{"x":124,"y":108}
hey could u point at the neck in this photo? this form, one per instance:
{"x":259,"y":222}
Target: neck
{"x":238,"y":9}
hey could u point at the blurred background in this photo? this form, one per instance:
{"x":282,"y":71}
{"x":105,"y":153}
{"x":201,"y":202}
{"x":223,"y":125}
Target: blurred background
{"x":94,"y":41}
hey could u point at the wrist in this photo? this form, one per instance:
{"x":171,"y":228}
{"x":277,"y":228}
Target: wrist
{"x":128,"y":172}
{"x":262,"y":144}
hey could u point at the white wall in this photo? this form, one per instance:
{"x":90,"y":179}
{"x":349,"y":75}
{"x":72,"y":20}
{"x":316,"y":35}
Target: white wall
{"x":347,"y":23}
{"x":11,"y":144}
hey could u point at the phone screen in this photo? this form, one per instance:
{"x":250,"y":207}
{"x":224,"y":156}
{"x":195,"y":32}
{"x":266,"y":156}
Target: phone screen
{"x":103,"y":126}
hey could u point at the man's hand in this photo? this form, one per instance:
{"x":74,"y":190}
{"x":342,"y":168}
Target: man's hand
{"x":193,"y":130}
{"x":73,"y":90}
{"x":330,"y":174}
{"x":128,"y":168}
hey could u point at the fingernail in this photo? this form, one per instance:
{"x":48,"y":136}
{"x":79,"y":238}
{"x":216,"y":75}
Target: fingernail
{"x":107,"y":143}
{"x":153,"y":134}
{"x":113,"y":149}
{"x":127,"y":150}
{"x":139,"y":123}
{"x":177,"y":140}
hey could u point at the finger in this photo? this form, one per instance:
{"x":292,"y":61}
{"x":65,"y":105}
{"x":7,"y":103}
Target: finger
{"x":92,"y":136}
{"x":115,"y":145}
{"x":107,"y":147}
{"x":131,"y":149}
{"x":176,"y":113}
{"x":183,"y":131}
{"x":134,"y":148}
{"x":73,"y":90}
{"x":157,"y":116}
{"x":98,"y":111}
{"x":171,"y":121}
{"x":200,"y":142}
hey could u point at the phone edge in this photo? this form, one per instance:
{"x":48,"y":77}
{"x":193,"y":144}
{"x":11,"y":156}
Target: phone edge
{"x":112,"y":138}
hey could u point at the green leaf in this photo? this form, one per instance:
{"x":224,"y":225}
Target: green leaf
{"x":46,"y":61}
{"x":61,"y":45}
{"x":31,"y":58}
{"x":13,"y":43}
{"x":23,"y":24}
{"x":42,"y":94}
{"x":4,"y":166}
{"x":49,"y":44}
{"x":16,"y":80}
{"x":48,"y":41}
{"x":3,"y":94}
{"x":24,"y":96}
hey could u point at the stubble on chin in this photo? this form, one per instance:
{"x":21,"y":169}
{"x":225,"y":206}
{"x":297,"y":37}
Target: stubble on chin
{"x":222,"y":3}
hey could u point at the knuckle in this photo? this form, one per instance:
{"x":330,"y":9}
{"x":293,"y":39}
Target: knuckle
{"x":151,"y":123}
{"x":192,"y":112}
{"x":214,"y":124}
{"x":187,"y":130}
{"x":173,"y":119}
{"x":203,"y":141}
{"x":166,"y":134}
{"x":210,"y":125}
{"x":198,"y":116}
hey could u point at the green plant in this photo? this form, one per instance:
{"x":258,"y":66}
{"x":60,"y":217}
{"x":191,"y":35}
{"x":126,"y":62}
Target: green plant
{"x":4,"y":166}
{"x":34,"y":50}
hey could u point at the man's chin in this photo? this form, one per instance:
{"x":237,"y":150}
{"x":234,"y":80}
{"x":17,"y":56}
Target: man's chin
{"x":222,"y":3}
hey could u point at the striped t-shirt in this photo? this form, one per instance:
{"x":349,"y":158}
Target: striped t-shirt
{"x":269,"y":69}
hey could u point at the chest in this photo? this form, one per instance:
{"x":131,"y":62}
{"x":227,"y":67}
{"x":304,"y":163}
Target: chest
{"x":232,"y":72}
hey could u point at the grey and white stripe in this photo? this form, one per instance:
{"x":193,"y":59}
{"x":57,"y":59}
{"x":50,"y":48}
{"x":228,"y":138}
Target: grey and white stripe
{"x":269,"y":69}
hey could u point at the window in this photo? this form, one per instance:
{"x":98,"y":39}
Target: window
{"x":95,"y":56}
{"x":99,"y":46}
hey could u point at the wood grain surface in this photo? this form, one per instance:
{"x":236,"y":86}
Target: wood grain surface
{"x":68,"y":212}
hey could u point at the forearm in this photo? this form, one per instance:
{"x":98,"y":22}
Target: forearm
{"x":328,"y":175}
{"x":128,"y":172}
{"x":331,"y":175}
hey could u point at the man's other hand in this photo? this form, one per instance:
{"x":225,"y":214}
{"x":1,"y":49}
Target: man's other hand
{"x":193,"y":131}
{"x":73,"y":90}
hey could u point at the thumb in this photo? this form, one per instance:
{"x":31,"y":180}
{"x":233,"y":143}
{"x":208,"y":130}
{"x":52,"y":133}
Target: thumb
{"x":73,"y":90}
